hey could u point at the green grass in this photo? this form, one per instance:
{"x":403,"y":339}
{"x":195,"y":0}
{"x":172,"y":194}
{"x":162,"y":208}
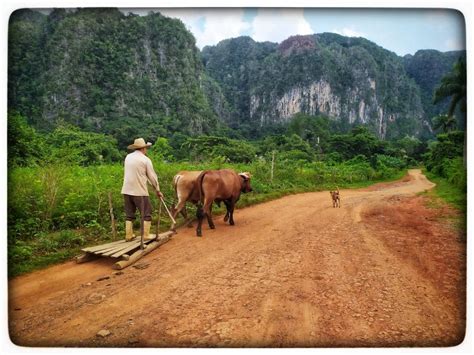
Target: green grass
{"x":453,"y":195}
{"x":447,"y":193}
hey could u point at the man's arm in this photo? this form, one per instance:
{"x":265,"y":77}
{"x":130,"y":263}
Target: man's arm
{"x":152,"y":178}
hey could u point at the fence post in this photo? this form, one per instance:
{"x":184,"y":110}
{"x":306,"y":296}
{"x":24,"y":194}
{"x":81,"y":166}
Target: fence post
{"x":112,"y":219}
{"x":273,"y":165}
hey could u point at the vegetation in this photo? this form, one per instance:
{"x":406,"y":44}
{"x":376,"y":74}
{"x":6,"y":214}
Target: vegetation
{"x":84,"y":83}
{"x":59,"y":190}
{"x":454,"y":85}
{"x":445,"y":157}
{"x":104,"y":71}
{"x":427,"y":67}
{"x":128,"y":75}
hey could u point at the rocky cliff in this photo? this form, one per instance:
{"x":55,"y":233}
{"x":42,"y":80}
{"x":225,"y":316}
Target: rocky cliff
{"x":351,"y":80}
{"x":121,"y":74}
{"x":102,"y":70}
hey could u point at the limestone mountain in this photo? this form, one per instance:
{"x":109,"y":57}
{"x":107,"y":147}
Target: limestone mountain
{"x":102,"y":70}
{"x":105,"y":71}
{"x":351,"y":80}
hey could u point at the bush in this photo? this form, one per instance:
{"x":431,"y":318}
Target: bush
{"x":448,"y":146}
{"x":71,"y":145}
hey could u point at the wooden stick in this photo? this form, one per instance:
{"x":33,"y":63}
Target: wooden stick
{"x":159,"y":219}
{"x":163,"y":238}
{"x":168,"y":211}
{"x":112,"y":218}
{"x":165,"y":235}
{"x":85,"y":258}
{"x":142,"y":223}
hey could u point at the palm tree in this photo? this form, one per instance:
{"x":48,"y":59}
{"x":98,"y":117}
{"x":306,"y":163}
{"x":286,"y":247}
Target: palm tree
{"x":453,"y":85}
{"x":445,"y":122}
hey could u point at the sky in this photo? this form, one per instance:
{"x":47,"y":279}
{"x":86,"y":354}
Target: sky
{"x":403,"y":31}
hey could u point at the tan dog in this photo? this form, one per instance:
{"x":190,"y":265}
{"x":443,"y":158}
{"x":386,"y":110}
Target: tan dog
{"x":336,"y":199}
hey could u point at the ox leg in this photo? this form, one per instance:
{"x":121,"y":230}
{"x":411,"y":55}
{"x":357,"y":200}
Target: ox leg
{"x":231,"y":212}
{"x":179,"y":209}
{"x":184,"y":213}
{"x":227,"y":214}
{"x":208,"y":212}
{"x":200,"y":217}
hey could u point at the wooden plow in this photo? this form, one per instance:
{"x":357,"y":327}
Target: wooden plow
{"x":127,"y":253}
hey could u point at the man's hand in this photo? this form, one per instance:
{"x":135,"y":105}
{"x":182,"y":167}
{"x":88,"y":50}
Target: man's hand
{"x":159,"y":194}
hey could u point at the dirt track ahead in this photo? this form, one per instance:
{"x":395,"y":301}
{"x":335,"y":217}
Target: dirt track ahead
{"x":382,"y":270}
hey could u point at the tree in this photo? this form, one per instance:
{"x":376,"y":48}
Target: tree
{"x":453,"y":85}
{"x":444,"y":122}
{"x":312,"y":129}
{"x":69,"y":145}
{"x":359,"y":142}
{"x":25,"y":145}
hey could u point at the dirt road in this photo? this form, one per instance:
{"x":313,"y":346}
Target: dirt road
{"x":383,"y":270}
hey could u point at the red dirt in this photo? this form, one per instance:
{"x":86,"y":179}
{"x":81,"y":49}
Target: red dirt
{"x":382,"y":270}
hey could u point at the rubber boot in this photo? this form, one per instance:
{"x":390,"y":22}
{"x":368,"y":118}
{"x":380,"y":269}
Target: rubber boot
{"x":146,"y":231}
{"x":129,"y":231}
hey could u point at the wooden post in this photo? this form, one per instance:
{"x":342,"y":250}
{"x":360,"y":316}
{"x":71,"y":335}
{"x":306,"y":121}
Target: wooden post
{"x":158,"y":221}
{"x":273,"y":165}
{"x":112,"y":218}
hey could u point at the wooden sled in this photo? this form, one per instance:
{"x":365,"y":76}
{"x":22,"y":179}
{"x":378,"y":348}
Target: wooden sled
{"x":125,"y":252}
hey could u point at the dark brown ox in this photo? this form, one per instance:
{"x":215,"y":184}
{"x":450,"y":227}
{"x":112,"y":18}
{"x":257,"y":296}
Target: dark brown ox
{"x":184,"y":184}
{"x":219,"y":186}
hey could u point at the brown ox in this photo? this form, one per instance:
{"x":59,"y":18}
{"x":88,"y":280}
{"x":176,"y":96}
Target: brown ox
{"x":219,"y":185}
{"x":184,"y":184}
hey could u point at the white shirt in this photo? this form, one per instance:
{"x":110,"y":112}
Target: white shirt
{"x":138,"y":170}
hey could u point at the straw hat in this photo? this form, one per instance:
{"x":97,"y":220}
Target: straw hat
{"x":139,"y":143}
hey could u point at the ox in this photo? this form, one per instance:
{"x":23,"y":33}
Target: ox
{"x":219,"y":186}
{"x":184,"y":184}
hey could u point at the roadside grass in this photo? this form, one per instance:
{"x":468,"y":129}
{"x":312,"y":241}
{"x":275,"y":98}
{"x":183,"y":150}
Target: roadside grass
{"x":47,"y":249}
{"x":453,"y":195}
{"x":447,"y":193}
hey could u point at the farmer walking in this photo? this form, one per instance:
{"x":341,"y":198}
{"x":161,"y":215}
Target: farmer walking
{"x":138,"y":170}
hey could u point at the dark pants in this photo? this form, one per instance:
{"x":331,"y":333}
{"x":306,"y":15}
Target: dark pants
{"x":142,"y":203}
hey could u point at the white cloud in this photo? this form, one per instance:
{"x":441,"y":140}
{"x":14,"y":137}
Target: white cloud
{"x":209,"y":26}
{"x":453,"y":44}
{"x":349,"y":32}
{"x":276,"y":25}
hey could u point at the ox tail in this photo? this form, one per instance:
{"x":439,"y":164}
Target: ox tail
{"x":176,"y":178}
{"x":199,"y":187}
